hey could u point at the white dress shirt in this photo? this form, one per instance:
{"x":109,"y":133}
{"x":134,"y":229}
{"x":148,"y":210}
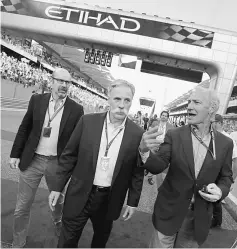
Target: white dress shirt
{"x":234,"y":155}
{"x":234,"y":136}
{"x":161,"y":128}
{"x":102,"y":177}
{"x":48,"y":145}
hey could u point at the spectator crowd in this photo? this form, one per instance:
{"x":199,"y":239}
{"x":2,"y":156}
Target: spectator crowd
{"x":35,"y":50}
{"x":22,"y":72}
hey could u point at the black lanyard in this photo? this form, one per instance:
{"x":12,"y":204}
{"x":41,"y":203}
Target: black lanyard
{"x":54,"y":115}
{"x":202,"y":143}
{"x":108,"y":144}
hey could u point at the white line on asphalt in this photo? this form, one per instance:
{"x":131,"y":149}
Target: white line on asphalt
{"x":13,"y":98}
{"x":14,"y":106}
{"x":13,"y":101}
{"x":13,"y":109}
{"x":233,"y":198}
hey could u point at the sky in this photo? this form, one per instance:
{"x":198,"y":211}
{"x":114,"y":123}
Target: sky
{"x":162,"y":89}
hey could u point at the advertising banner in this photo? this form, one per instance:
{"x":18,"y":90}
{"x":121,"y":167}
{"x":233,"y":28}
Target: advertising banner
{"x":109,"y":21}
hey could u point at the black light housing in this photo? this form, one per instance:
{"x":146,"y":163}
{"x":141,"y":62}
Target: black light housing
{"x":109,"y":59}
{"x":92,"y":56}
{"x":103,"y":59}
{"x":87,"y":56}
{"x":97,"y":58}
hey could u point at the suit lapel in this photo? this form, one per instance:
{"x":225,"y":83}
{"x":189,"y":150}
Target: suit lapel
{"x":44,"y":103}
{"x":66,"y":112}
{"x":186,"y":139}
{"x":97,"y":137}
{"x":124,"y":145}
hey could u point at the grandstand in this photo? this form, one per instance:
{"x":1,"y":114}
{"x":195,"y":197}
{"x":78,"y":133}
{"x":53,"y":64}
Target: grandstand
{"x":178,"y":108}
{"x":28,"y":63}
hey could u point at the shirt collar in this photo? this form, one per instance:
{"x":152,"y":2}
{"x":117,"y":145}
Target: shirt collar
{"x":62,"y":101}
{"x":195,"y":130}
{"x":120,"y":126}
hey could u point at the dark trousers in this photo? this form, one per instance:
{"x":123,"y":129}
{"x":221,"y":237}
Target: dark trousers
{"x":217,"y":212}
{"x":96,"y":210}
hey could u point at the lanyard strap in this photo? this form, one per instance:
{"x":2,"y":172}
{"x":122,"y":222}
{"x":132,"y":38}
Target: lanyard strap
{"x":54,"y":115}
{"x":107,"y":140}
{"x":202,"y":143}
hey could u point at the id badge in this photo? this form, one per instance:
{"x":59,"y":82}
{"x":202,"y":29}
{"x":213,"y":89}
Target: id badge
{"x":47,"y":131}
{"x":104,"y":163}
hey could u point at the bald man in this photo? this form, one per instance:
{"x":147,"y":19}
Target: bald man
{"x":40,"y":140}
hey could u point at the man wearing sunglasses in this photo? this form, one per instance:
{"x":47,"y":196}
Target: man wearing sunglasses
{"x":42,"y":136}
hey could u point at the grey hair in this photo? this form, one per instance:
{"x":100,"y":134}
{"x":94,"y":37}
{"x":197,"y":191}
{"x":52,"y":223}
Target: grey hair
{"x":121,"y":82}
{"x":212,"y":97}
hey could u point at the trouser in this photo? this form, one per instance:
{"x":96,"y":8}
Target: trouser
{"x":29,"y":181}
{"x":183,"y":239}
{"x":96,"y":210}
{"x":217,"y":212}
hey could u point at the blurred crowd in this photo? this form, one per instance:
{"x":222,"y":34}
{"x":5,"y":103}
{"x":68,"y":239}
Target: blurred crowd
{"x":145,"y":121}
{"x":45,"y":58}
{"x":18,"y":43}
{"x":22,"y":72}
{"x":233,"y":98}
{"x":86,"y":98}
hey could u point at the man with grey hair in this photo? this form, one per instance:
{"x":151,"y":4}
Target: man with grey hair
{"x":199,"y":174}
{"x":101,"y":158}
{"x":40,"y":140}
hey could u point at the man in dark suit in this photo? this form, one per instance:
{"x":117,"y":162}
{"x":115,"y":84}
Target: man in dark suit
{"x":40,"y":140}
{"x":199,"y":174}
{"x":101,"y":158}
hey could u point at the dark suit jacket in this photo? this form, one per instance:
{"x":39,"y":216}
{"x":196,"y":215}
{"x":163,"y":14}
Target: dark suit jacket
{"x":29,"y":132}
{"x":79,"y":160}
{"x":180,"y":184}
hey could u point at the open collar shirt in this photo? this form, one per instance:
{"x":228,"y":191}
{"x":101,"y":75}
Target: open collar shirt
{"x":102,"y":177}
{"x":48,"y":145}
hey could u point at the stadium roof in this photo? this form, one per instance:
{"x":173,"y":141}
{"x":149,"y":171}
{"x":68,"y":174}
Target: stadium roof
{"x":75,"y":56}
{"x":183,"y":98}
{"x":70,"y":55}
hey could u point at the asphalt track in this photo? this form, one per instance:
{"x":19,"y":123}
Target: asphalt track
{"x":133,"y":234}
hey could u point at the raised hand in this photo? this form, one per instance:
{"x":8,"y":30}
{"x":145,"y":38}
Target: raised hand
{"x":149,"y":141}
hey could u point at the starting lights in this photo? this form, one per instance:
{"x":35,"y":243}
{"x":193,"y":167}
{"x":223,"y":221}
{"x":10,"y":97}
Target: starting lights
{"x":109,"y":59}
{"x":98,"y":57}
{"x":92,"y":57}
{"x":103,"y":59}
{"x":87,"y":56}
